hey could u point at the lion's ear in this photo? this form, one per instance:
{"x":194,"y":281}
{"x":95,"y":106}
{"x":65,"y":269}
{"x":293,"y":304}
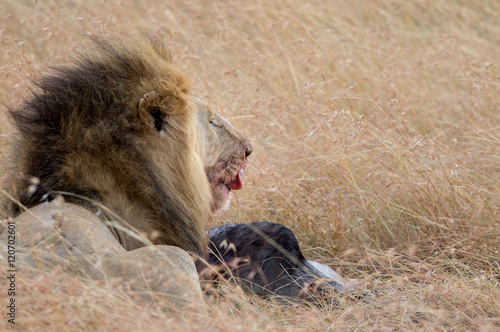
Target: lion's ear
{"x":149,"y":110}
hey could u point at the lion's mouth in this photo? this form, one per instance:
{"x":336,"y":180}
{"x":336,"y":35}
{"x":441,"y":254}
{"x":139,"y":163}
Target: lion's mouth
{"x":237,"y":183}
{"x":222,"y":184}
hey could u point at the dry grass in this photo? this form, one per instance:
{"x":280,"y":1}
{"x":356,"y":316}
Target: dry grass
{"x":375,"y":126}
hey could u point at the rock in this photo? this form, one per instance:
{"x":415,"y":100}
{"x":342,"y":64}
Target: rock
{"x":72,"y":237}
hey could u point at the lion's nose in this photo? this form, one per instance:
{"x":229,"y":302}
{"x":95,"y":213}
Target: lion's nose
{"x":248,"y":150}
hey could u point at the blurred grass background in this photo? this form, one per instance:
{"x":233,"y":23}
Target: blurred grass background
{"x":375,"y":126}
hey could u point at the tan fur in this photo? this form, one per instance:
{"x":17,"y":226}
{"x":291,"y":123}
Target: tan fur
{"x":119,"y":127}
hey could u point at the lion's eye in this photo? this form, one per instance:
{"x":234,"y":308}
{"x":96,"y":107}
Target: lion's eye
{"x":214,"y":123}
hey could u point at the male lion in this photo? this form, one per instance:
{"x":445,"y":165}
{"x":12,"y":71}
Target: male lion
{"x":119,"y":127}
{"x":118,"y":135}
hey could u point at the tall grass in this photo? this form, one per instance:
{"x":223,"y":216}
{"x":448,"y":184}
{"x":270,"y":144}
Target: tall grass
{"x":375,"y":126}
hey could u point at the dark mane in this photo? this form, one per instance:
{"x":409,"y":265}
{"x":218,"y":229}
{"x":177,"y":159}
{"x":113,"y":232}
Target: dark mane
{"x":79,"y":132}
{"x":89,"y":94}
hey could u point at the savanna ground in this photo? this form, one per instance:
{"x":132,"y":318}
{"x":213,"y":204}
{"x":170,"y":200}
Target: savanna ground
{"x":376,"y":130}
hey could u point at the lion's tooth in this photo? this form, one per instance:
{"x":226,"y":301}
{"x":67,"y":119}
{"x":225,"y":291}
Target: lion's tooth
{"x":242,"y":171}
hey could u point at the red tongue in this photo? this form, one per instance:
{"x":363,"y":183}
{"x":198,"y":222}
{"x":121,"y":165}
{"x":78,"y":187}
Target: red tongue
{"x":237,"y":184}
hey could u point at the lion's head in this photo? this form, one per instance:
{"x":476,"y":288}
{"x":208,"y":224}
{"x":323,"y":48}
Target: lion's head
{"x":226,"y":150}
{"x":119,"y":126}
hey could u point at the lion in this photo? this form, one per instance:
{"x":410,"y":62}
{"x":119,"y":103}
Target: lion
{"x":120,"y":128}
{"x":116,"y":165}
{"x":117,"y":169}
